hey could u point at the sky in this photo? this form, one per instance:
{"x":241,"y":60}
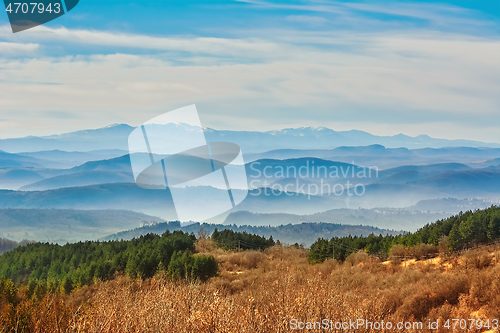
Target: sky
{"x":385,"y":67}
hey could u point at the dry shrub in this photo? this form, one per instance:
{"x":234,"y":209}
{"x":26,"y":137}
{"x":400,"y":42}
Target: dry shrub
{"x":478,"y":261}
{"x":204,"y":245}
{"x":481,"y":286}
{"x":360,"y":257}
{"x":247,"y":259}
{"x":328,"y":267}
{"x":263,"y":291}
{"x":445,"y":288}
{"x":397,"y":251}
{"x":423,"y":250}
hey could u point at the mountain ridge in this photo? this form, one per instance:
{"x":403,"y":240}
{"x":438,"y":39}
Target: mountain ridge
{"x":116,"y":137}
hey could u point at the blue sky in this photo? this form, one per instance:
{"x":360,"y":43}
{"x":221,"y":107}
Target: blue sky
{"x":385,"y":67}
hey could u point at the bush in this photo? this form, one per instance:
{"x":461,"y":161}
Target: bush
{"x":204,"y":267}
{"x":423,"y":250}
{"x":189,"y":267}
{"x":357,"y":258}
{"x":478,"y":261}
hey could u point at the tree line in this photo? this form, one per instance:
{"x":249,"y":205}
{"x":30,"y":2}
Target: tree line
{"x":457,"y":232}
{"x":45,"y":267}
{"x":228,"y":239}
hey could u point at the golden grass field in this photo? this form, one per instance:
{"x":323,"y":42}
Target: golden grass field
{"x":264,"y":291}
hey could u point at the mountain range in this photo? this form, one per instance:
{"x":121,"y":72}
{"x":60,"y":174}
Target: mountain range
{"x":303,"y":186}
{"x":310,"y":174}
{"x":116,"y":137}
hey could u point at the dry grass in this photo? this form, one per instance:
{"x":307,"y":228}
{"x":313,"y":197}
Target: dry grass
{"x":262,"y":291}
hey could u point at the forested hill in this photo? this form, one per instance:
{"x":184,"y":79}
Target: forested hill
{"x":44,"y":266}
{"x":305,"y":233}
{"x":457,"y":232}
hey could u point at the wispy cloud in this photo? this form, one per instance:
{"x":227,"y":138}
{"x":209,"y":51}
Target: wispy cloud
{"x":439,"y":15}
{"x":198,"y":45}
{"x":420,"y":79}
{"x":392,"y":78}
{"x":17,"y":48}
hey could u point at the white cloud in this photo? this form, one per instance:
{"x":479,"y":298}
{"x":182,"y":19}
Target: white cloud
{"x":199,"y":45}
{"x":434,"y":12}
{"x":17,"y":48}
{"x":434,"y":81}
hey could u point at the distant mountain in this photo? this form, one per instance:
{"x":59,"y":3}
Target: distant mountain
{"x":16,"y":178}
{"x":20,"y":170}
{"x":115,"y":170}
{"x":296,"y":186}
{"x":386,"y":218}
{"x":117,"y":164}
{"x":384,"y":158}
{"x":65,"y":159}
{"x":484,"y":182}
{"x":304,"y":168}
{"x":412,"y":173}
{"x":154,"y":202}
{"x":325,"y":138}
{"x":79,"y":179}
{"x":408,"y":218}
{"x":110,"y":137}
{"x":454,"y":206}
{"x":303,"y":233}
{"x":105,"y":196}
{"x":63,"y":225}
{"x":7,"y":244}
{"x":116,"y":137}
{"x":8,"y":160}
{"x":401,"y":186}
{"x":488,"y":163}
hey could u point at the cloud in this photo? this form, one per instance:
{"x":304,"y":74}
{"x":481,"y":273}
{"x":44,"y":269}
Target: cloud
{"x":17,"y":48}
{"x":60,"y":114}
{"x":422,"y":80}
{"x":398,"y":79}
{"x":199,"y":45}
{"x":435,"y":14}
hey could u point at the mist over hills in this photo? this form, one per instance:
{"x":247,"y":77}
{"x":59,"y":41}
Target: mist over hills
{"x":289,"y":181}
{"x":67,"y":225}
{"x":298,"y":186}
{"x":115,"y":170}
{"x":8,"y":160}
{"x":384,"y":158}
{"x":152,"y":202}
{"x":79,"y":179}
{"x":63,"y":225}
{"x":384,"y":218}
{"x":68,"y":159}
{"x":408,"y":218}
{"x":303,"y":233}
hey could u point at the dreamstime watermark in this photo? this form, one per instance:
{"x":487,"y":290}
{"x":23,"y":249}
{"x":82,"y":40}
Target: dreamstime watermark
{"x":306,"y":177}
